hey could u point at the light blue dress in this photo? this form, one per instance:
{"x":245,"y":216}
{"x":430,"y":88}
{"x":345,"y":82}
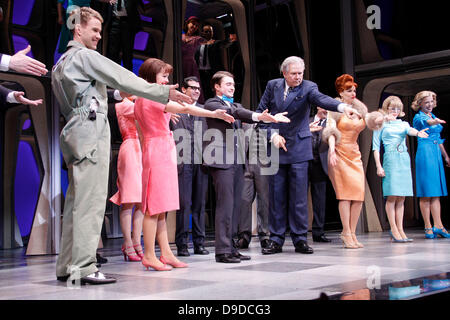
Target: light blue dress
{"x":396,"y":160}
{"x":430,"y":174}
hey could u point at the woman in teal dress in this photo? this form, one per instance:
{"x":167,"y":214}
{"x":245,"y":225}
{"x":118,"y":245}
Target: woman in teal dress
{"x":66,"y":34}
{"x":396,"y":168}
{"x":430,"y":174}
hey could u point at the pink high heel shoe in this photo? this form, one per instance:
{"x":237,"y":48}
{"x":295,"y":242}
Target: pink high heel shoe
{"x":130,"y":254}
{"x":139,"y":251}
{"x":173,"y":264}
{"x":147,"y":264}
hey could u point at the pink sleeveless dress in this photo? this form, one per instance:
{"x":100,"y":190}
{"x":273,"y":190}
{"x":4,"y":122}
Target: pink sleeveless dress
{"x":129,"y":162}
{"x":159,"y":158}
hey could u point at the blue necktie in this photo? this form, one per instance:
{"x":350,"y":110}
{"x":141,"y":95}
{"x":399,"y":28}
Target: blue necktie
{"x":225,"y":98}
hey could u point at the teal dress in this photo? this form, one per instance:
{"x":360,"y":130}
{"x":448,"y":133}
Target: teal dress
{"x":396,"y":160}
{"x":66,"y":34}
{"x":430,"y":174}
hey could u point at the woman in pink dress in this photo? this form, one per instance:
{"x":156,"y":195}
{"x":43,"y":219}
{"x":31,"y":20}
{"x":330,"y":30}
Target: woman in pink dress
{"x":159,"y":160}
{"x":129,"y":182}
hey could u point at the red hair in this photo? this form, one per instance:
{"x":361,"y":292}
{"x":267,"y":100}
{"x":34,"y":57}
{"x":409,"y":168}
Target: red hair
{"x":345,"y":82}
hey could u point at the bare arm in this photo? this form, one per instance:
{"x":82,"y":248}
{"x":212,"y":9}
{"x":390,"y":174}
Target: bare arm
{"x":433,"y":122}
{"x":332,"y":151}
{"x":60,"y":13}
{"x":175,"y":107}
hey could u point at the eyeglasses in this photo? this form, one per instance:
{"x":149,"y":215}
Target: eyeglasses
{"x":194,"y":88}
{"x":394,"y":110}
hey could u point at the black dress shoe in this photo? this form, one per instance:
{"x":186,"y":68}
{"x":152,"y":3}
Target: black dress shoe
{"x":97,"y":278}
{"x":100,"y":259}
{"x":302,"y":247}
{"x":62,"y":278}
{"x":272,"y":248}
{"x":242,"y":243}
{"x":227,"y":258}
{"x":321,"y":238}
{"x":237,"y":254}
{"x":200,"y":250}
{"x":265,"y":243}
{"x":182,"y":251}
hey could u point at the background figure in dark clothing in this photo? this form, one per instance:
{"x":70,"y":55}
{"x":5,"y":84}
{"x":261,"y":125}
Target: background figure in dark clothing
{"x":190,"y":41}
{"x":318,"y":174}
{"x":255,"y":186}
{"x":124,"y":23}
{"x":209,"y":57}
{"x":192,"y":177}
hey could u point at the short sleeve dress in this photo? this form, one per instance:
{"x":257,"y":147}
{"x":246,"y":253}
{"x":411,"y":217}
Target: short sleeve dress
{"x":129,"y":162}
{"x":430,"y":174}
{"x":396,"y":160}
{"x":159,"y":158}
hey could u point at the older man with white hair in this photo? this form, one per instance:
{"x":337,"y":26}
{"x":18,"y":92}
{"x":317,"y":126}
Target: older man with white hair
{"x":288,"y":188}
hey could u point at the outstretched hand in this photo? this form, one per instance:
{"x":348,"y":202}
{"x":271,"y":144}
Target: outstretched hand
{"x":281,"y":117}
{"x":177,"y":96}
{"x":20,"y":62}
{"x":422,"y":133}
{"x":222,"y":114}
{"x":314,"y":126}
{"x":19,"y":96}
{"x":350,"y":112}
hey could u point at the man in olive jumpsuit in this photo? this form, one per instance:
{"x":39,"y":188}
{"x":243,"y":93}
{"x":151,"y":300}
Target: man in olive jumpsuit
{"x":79,"y":81}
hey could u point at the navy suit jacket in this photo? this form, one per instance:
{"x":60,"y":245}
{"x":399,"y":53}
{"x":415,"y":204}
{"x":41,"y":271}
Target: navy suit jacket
{"x":239,"y":113}
{"x":298,"y":105}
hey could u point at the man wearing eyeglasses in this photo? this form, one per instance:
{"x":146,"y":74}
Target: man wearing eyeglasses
{"x":192,"y":176}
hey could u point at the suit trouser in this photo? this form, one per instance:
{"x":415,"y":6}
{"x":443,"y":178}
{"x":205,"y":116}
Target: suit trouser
{"x":318,"y":181}
{"x":228,"y":188}
{"x":255,"y":185}
{"x":288,"y":204}
{"x":192,"y":185}
{"x":121,"y":39}
{"x":84,"y":206}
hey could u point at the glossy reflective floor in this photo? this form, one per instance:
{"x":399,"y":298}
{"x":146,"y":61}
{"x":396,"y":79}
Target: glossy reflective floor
{"x":367,"y":273}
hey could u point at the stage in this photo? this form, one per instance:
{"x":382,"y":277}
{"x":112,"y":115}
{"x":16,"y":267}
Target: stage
{"x":377,"y":272}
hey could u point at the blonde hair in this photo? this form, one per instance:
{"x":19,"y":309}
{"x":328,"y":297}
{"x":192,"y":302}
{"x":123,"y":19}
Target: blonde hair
{"x":83,"y":15}
{"x":393,"y":102}
{"x":416,"y":104}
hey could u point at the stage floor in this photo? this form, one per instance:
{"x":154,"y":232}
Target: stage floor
{"x":332,"y":270}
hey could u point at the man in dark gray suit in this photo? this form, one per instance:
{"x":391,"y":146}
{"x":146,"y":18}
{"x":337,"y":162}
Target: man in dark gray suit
{"x":223,"y":154}
{"x":318,"y":174}
{"x":192,"y":176}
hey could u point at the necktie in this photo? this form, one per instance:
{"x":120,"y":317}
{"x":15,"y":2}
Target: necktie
{"x":289,"y":90}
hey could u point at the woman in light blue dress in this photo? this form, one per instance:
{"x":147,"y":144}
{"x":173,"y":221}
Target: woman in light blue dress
{"x":396,"y":168}
{"x":430,"y":174}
